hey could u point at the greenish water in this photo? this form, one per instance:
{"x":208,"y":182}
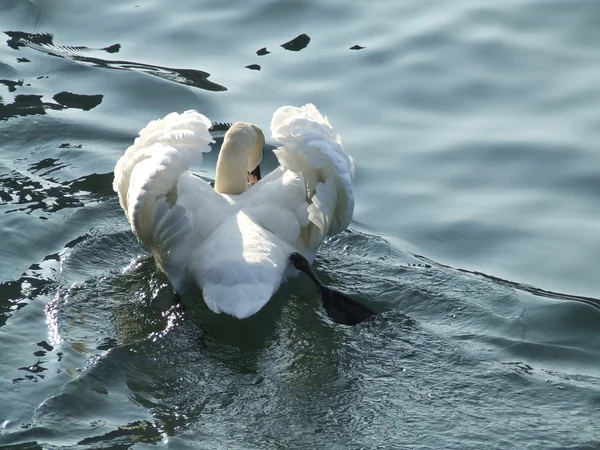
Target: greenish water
{"x":474,"y":127}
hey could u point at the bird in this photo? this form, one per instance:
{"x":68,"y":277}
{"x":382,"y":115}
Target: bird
{"x":237,"y":243}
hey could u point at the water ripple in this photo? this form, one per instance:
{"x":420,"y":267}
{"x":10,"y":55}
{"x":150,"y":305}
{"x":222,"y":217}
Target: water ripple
{"x":45,"y":43}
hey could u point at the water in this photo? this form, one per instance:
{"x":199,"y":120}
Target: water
{"x":474,"y":129}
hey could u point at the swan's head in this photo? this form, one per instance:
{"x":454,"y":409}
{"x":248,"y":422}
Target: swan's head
{"x":239,"y":159}
{"x":256,"y":156}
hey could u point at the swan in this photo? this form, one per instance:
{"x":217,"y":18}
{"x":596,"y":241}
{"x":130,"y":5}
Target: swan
{"x":235,"y":244}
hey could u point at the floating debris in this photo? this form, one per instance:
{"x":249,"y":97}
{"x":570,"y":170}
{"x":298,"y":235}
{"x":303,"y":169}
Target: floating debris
{"x":112,"y":48}
{"x":297,"y":44}
{"x":78,"y":101}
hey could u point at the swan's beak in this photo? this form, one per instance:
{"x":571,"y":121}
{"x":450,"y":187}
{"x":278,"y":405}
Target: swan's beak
{"x":254,"y":176}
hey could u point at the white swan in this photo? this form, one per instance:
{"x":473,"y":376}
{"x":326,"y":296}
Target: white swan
{"x":233,"y":244}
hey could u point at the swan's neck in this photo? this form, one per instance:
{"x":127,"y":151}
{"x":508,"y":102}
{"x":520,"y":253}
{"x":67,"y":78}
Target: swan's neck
{"x":232,"y":173}
{"x":242,"y":145}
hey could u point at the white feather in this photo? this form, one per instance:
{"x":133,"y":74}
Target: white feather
{"x":235,"y":249}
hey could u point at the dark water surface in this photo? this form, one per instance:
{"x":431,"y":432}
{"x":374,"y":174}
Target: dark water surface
{"x":474,"y":126}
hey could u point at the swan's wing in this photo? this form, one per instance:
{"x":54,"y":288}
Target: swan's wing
{"x":164,"y":204}
{"x":310,"y":146}
{"x":151,"y":166}
{"x":240,"y":266}
{"x":181,"y":221}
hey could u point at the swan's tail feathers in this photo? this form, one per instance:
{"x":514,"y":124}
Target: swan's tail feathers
{"x":150,"y":168}
{"x":309,"y":145}
{"x":240,"y":300}
{"x":244,"y":266}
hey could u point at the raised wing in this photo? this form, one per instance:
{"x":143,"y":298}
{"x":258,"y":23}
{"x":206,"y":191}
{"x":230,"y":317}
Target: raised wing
{"x":165,"y":205}
{"x":311,"y":147}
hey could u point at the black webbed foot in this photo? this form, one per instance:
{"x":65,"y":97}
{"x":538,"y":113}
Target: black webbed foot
{"x":342,"y":309}
{"x":339,"y":307}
